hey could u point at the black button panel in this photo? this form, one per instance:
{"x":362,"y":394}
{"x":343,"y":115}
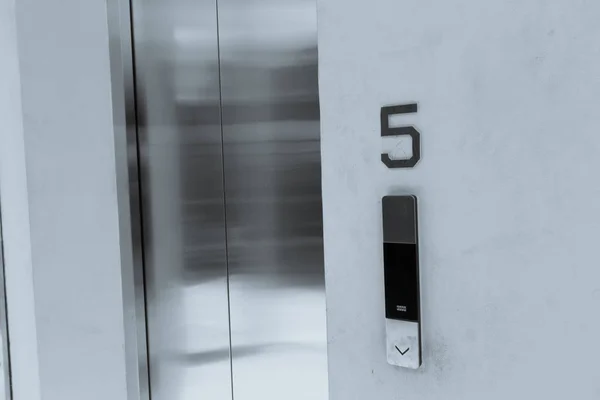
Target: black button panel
{"x":401,"y":281}
{"x":401,"y":258}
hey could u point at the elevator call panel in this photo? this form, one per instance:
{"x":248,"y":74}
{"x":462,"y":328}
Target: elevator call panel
{"x":401,"y":281}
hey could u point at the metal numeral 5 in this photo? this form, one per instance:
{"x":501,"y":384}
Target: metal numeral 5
{"x":408,"y":130}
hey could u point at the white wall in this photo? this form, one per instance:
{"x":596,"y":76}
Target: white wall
{"x":59,"y":202}
{"x":15,"y":215}
{"x":508,"y":185}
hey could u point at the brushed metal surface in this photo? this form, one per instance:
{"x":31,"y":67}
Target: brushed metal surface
{"x":177,"y":85}
{"x":403,"y":343}
{"x":228,"y":131}
{"x":272,"y":171}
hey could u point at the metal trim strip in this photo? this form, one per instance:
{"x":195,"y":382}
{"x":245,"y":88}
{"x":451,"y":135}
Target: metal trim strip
{"x":121,"y":52}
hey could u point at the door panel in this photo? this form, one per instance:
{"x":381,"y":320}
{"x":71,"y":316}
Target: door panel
{"x":273,"y":198}
{"x":182,"y":198}
{"x":231,"y":198}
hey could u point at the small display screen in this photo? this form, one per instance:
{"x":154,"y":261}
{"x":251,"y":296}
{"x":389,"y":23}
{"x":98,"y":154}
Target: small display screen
{"x":401,"y":269}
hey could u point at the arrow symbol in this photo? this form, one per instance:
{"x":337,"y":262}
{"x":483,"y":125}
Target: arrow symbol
{"x":402,"y":352}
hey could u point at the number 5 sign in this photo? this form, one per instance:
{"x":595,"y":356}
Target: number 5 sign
{"x":408,"y":130}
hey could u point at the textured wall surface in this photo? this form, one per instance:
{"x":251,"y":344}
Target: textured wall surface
{"x":508,"y":186}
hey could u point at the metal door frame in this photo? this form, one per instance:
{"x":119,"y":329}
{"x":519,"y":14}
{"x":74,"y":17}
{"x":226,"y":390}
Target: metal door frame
{"x":5,"y":367}
{"x":121,"y":54}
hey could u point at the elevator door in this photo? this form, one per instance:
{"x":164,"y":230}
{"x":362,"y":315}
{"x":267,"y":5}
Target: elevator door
{"x":228,"y":143}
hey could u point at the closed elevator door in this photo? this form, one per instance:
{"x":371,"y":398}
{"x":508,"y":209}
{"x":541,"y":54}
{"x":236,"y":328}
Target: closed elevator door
{"x":228,"y":143}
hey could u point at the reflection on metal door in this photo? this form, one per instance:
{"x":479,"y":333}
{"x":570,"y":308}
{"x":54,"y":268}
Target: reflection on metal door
{"x":273,"y":202}
{"x":228,"y":139}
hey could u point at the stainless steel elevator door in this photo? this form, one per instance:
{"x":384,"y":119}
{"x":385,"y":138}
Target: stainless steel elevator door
{"x":273,"y":198}
{"x":179,"y":138}
{"x":228,"y":136}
